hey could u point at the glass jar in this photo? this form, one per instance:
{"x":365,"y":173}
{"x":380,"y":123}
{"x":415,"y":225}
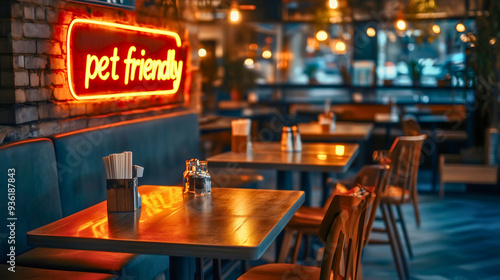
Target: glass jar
{"x":206,"y":175}
{"x":191,"y":167}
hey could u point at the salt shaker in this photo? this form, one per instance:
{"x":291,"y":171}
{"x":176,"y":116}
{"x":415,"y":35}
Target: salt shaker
{"x":297,"y":142}
{"x":286,"y":139}
{"x":206,"y":175}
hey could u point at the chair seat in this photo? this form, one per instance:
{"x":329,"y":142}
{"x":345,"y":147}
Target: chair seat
{"x":143,"y":266}
{"x":27,"y":273}
{"x":282,"y":271}
{"x":393,"y":195}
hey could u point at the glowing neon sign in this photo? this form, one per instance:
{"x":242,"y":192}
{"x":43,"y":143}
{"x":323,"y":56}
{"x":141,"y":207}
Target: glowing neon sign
{"x":115,"y":60}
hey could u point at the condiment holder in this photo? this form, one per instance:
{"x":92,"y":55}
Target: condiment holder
{"x":121,"y":183}
{"x":240,"y":136}
{"x":327,"y":122}
{"x":290,"y":139}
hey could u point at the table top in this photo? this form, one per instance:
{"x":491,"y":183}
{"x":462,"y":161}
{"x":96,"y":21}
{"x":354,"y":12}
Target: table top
{"x":319,"y":157}
{"x":228,"y":224}
{"x":344,"y":131}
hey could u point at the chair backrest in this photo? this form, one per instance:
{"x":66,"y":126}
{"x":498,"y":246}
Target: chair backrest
{"x":342,"y":229}
{"x":410,"y":126}
{"x":404,"y":161}
{"x":374,"y":179}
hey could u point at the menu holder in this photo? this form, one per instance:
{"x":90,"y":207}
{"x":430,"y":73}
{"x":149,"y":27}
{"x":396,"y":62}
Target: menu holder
{"x":122,"y":195}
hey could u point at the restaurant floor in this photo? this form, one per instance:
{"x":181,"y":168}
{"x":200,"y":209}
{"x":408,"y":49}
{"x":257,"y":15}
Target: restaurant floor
{"x":458,"y":238}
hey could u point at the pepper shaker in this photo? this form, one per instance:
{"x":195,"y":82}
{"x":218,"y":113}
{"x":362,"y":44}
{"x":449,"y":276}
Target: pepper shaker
{"x":297,"y":142}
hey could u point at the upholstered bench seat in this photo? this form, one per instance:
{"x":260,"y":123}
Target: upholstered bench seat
{"x":122,"y":264}
{"x":38,"y":202}
{"x":27,"y":273}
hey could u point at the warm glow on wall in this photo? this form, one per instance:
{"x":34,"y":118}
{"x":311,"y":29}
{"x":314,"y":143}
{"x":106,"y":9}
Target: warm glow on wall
{"x":114,"y":60}
{"x":321,"y":35}
{"x":401,"y":25}
{"x":460,"y":27}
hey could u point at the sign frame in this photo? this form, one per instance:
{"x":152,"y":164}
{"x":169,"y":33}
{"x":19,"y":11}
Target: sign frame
{"x":106,"y":3}
{"x":175,"y":36}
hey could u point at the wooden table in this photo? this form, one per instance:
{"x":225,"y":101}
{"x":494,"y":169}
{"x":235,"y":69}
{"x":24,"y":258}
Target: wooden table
{"x":228,"y":224}
{"x":315,"y":157}
{"x":344,"y":131}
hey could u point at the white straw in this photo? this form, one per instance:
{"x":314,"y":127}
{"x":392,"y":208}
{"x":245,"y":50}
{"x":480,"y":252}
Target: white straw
{"x":327,"y":106}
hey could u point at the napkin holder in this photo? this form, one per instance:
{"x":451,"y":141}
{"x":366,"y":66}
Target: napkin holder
{"x":122,"y":195}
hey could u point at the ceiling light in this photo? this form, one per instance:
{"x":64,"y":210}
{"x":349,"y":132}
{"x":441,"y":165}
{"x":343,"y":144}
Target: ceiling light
{"x":321,"y":35}
{"x":202,"y":52}
{"x":460,"y":27}
{"x":234,"y":13}
{"x":371,"y":32}
{"x":436,"y":29}
{"x":340,"y":46}
{"x":401,"y":25}
{"x":266,"y":54}
{"x":333,"y":4}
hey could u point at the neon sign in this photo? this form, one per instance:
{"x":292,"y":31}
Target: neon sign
{"x":114,"y":60}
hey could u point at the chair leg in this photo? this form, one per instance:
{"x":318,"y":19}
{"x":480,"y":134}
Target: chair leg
{"x":297,"y":246}
{"x":398,"y":241}
{"x":285,"y":246}
{"x":415,"y":208}
{"x":308,"y":246}
{"x":390,"y":233}
{"x":405,"y":231}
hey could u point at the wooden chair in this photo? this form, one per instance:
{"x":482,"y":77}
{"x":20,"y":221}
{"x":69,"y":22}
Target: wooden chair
{"x":412,"y":128}
{"x":404,"y":160}
{"x":341,"y":229}
{"x":307,"y":220}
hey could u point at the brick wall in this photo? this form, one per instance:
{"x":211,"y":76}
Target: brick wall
{"x":34,"y":97}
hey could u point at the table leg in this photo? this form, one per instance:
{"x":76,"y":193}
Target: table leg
{"x":216,"y":269}
{"x":434,"y":157}
{"x":182,"y":268}
{"x":305,"y":185}
{"x":285,"y":180}
{"x":325,"y":187}
{"x":200,"y":274}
